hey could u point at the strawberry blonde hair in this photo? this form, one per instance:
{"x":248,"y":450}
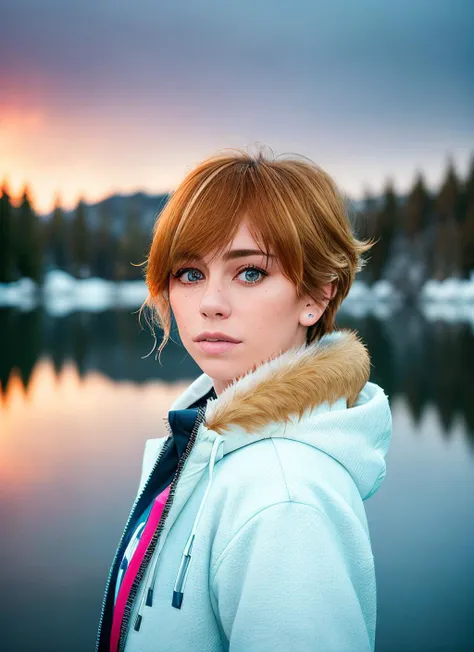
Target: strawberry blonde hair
{"x":294,"y":210}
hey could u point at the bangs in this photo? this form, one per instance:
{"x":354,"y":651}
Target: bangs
{"x":204,"y":215}
{"x":294,"y":211}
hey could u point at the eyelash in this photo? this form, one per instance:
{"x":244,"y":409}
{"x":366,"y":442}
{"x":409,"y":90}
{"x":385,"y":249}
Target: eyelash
{"x":181,"y":271}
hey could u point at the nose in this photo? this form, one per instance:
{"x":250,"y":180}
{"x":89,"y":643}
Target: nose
{"x":214,"y":303}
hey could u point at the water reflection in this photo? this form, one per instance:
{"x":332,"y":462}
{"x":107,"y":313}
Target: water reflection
{"x":428,"y":363}
{"x":111,"y":342}
{"x":78,"y":402}
{"x":70,"y":459}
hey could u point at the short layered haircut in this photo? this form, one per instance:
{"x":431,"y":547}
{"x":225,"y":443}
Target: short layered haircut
{"x":294,"y":210}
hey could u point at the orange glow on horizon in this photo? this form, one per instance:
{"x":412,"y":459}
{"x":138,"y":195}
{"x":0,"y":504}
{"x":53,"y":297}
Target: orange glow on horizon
{"x":61,"y":157}
{"x":93,"y":151}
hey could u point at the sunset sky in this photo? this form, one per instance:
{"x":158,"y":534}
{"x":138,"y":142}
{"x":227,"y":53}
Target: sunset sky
{"x":102,"y":96}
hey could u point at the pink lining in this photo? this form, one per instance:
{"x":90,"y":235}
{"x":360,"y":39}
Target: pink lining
{"x":132,"y":570}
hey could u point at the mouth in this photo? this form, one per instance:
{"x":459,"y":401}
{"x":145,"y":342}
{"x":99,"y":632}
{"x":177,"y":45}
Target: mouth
{"x":217,"y":346}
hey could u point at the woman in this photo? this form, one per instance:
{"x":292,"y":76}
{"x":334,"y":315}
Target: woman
{"x":249,"y":531}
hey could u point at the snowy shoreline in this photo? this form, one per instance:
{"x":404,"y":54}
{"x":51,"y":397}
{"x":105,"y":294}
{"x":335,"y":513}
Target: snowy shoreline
{"x":61,"y":294}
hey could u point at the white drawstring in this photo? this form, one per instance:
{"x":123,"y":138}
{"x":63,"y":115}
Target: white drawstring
{"x":181,"y":577}
{"x":178,"y":591}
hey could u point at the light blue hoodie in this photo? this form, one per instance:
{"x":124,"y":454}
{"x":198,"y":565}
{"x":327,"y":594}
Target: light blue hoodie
{"x":265,"y":545}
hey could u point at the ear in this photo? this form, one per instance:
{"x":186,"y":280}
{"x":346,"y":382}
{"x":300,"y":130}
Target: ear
{"x":310,"y":307}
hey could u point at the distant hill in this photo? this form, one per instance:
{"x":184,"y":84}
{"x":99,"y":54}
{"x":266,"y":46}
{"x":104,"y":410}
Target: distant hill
{"x":147,"y":207}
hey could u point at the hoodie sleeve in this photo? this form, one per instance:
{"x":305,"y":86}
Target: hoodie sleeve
{"x":286,"y":581}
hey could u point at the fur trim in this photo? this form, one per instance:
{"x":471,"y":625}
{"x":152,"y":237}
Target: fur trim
{"x":334,"y":367}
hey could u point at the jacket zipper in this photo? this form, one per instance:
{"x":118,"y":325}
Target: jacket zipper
{"x":124,"y":533}
{"x":153,"y":543}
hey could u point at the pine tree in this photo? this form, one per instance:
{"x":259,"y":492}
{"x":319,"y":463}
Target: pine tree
{"x":448,"y":199}
{"x":57,"y":236}
{"x":467,"y":191}
{"x":417,"y":209}
{"x":387,"y":218}
{"x":448,"y":237}
{"x":29,"y":239}
{"x":467,"y":226}
{"x":7,"y":237}
{"x":104,"y":249}
{"x":467,"y":248}
{"x":367,"y":216}
{"x":369,"y":203}
{"x":80,"y":241}
{"x":132,"y":244}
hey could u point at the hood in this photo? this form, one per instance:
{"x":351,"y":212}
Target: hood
{"x":318,"y":394}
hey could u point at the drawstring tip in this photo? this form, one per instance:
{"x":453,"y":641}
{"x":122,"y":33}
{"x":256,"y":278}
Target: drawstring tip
{"x":138,"y":622}
{"x":149,"y":598}
{"x":177,"y":599}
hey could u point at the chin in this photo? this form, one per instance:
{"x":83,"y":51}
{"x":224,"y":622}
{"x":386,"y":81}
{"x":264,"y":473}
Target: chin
{"x":219,"y":368}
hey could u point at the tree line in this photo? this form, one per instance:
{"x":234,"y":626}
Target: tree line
{"x":421,"y":235}
{"x":31,"y":245}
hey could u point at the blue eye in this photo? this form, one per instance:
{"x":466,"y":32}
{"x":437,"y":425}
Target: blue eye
{"x":253,"y":275}
{"x":182,"y":272}
{"x":249,"y":271}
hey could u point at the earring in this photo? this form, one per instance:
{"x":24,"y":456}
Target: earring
{"x":310,"y":315}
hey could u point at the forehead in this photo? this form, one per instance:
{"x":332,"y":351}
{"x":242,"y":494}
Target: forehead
{"x":243,"y":237}
{"x":242,"y":245}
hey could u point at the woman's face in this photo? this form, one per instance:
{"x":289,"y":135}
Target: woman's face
{"x":240,"y":297}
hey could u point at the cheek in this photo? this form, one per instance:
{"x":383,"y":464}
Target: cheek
{"x":265,"y":315}
{"x":275,"y":300}
{"x":181,"y":303}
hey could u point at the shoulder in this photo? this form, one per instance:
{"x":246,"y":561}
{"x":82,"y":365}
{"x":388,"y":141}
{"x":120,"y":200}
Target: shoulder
{"x":272,"y":471}
{"x":279,"y":469}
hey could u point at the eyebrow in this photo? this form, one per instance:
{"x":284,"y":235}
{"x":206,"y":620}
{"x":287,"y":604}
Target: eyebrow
{"x":234,"y":253}
{"x":240,"y":253}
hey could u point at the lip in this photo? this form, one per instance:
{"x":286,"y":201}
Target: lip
{"x":215,"y":336}
{"x":217,"y":348}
